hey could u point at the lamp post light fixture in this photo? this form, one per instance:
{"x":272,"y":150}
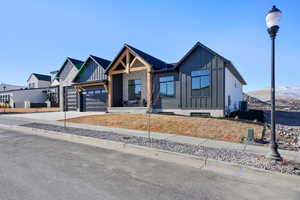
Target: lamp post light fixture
{"x":272,"y":20}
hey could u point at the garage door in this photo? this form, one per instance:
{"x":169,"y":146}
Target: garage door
{"x":94,"y":99}
{"x":70,"y":98}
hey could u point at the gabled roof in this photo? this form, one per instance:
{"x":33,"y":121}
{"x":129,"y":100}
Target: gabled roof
{"x":40,"y":77}
{"x":154,"y":62}
{"x":229,"y":65}
{"x":100,"y":61}
{"x":76,"y":63}
{"x":151,"y":60}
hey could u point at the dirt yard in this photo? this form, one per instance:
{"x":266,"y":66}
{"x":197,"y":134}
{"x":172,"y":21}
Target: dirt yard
{"x":27,"y":110}
{"x":219,"y":129}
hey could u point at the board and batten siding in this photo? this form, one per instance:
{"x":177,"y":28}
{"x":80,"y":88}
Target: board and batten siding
{"x":199,"y":59}
{"x":92,"y":72}
{"x":202,"y":59}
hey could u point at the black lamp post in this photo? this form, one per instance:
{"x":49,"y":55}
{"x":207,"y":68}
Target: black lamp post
{"x":272,"y":19}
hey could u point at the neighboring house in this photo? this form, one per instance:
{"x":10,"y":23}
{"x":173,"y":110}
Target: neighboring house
{"x":201,"y":82}
{"x":38,"y":92}
{"x":54,"y":80}
{"x":65,"y":77}
{"x":90,"y":84}
{"x":18,"y":98}
{"x":39,"y":81}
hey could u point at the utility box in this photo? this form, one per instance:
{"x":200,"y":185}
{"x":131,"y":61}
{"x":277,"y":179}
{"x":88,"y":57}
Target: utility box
{"x":250,"y":134}
{"x":243,"y":106}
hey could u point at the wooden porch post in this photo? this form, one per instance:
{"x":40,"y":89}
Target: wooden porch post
{"x":110,"y":90}
{"x":149,"y":88}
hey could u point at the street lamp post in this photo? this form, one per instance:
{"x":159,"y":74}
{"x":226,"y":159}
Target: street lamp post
{"x":272,"y":20}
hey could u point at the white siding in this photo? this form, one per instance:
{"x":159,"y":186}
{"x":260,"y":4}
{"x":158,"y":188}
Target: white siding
{"x":68,"y":74}
{"x":55,"y":83}
{"x":18,"y":97}
{"x":234,"y":89}
{"x":37,"y":83}
{"x":43,"y":84}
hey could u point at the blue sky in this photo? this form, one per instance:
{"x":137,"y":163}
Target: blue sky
{"x":36,"y":36}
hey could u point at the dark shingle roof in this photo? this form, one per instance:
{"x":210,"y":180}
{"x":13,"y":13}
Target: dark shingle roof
{"x":155,"y":62}
{"x":101,"y":61}
{"x":76,"y":62}
{"x":229,"y":65}
{"x":42,"y":77}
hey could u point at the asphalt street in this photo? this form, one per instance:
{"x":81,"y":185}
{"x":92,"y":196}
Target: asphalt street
{"x":38,"y":168}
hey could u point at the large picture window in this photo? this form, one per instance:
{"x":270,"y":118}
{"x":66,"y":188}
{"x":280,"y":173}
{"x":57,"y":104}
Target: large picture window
{"x":134,"y":89}
{"x":167,"y":86}
{"x":200,"y":82}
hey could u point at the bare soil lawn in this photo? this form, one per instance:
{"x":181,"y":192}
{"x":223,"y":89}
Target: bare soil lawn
{"x":211,"y":128}
{"x":28,"y":110}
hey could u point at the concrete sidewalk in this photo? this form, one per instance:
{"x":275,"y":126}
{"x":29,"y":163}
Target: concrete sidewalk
{"x":50,"y":116}
{"x":263,"y":150}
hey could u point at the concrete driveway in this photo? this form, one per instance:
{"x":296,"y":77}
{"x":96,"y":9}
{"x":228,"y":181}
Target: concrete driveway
{"x":51,"y":116}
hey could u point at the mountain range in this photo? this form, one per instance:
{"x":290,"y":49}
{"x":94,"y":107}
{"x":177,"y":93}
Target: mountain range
{"x":284,"y":93}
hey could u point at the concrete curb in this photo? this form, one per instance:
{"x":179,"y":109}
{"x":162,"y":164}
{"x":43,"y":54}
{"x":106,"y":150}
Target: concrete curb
{"x":181,"y":159}
{"x":263,"y":150}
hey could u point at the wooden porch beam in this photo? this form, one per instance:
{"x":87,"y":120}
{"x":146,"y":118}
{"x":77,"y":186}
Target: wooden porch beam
{"x":118,"y":72}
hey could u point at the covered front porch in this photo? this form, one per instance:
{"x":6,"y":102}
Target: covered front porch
{"x":129,"y":82}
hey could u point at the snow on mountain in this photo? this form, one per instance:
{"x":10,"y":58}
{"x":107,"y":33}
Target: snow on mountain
{"x":281,"y":93}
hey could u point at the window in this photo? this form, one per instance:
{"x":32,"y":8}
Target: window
{"x":229,"y":100}
{"x":134,"y":89}
{"x":4,"y":98}
{"x":167,"y":86}
{"x":31,"y":85}
{"x":90,"y":92}
{"x":200,"y":82}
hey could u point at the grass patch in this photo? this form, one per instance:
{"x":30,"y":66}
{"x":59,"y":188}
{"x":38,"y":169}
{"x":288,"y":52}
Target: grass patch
{"x":211,"y":128}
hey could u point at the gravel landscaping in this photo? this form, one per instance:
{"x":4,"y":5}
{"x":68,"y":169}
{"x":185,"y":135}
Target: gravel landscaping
{"x":221,"y":154}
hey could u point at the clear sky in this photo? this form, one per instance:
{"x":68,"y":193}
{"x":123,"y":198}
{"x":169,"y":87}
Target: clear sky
{"x":36,"y":36}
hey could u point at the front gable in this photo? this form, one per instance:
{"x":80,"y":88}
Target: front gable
{"x":68,"y":71}
{"x":90,"y":71}
{"x":196,"y":58}
{"x":32,"y":78}
{"x":126,"y":61}
{"x":200,"y":55}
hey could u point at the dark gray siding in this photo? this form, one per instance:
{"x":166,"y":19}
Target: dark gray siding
{"x":184,"y":99}
{"x":201,"y":58}
{"x":117,"y":96}
{"x":92,"y":72}
{"x":70,"y":98}
{"x":166,"y":102}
